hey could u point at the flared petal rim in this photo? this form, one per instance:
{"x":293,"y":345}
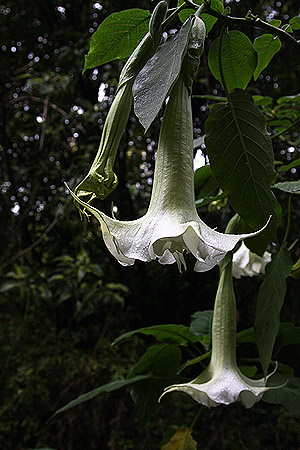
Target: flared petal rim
{"x":159,"y":234}
{"x":223,"y":389}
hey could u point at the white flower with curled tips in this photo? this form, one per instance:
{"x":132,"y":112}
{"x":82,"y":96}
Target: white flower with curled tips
{"x":248,"y":264}
{"x":222,"y":382}
{"x":171,"y":225}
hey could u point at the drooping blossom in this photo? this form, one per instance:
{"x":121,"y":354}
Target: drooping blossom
{"x":222,"y":382}
{"x":171,"y":225}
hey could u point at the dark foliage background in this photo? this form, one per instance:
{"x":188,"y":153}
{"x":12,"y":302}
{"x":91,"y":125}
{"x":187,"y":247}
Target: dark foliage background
{"x":63,"y":298}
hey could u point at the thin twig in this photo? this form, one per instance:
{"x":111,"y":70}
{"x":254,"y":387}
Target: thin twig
{"x":286,"y":129}
{"x":251,"y":20}
{"x":40,"y":239}
{"x":42,"y":100}
{"x":43,"y":130}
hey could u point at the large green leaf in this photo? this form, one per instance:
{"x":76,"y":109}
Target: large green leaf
{"x":238,"y":59}
{"x":266,"y":46}
{"x":292,"y":187}
{"x":162,"y":362}
{"x":269,"y":303}
{"x":209,"y":20}
{"x":288,"y":334}
{"x":105,"y":388}
{"x":288,"y":395}
{"x":154,"y":81}
{"x":172,"y":334}
{"x":241,"y":157}
{"x":117,"y":37}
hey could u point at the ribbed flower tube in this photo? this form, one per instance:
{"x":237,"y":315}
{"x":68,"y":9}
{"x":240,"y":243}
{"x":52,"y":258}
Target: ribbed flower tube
{"x":222,"y":382}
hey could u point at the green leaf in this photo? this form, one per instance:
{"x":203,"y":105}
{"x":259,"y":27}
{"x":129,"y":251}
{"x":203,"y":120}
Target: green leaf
{"x":206,"y":200}
{"x":288,"y":334}
{"x":105,"y":388}
{"x":155,"y":80}
{"x":288,"y":395}
{"x":295,"y":163}
{"x":292,"y":187}
{"x":8,"y":285}
{"x":162,"y":361}
{"x":238,"y":59}
{"x":241,"y":157}
{"x":275,"y":22}
{"x":201,"y":323}
{"x":246,"y":336}
{"x":209,"y":20}
{"x":204,"y":182}
{"x":289,"y":98}
{"x":249,"y":371}
{"x":191,"y":362}
{"x":269,"y":303}
{"x":266,"y":46}
{"x":295,"y":23}
{"x":261,"y":100}
{"x":172,"y":334}
{"x":181,"y":440}
{"x":198,"y":142}
{"x":117,"y":37}
{"x":287,"y":27}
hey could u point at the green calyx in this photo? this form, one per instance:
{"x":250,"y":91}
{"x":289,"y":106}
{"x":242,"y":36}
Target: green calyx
{"x":101,"y":179}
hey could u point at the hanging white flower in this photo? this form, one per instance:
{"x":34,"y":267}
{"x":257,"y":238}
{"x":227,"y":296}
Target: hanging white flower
{"x":248,"y":264}
{"x":222,"y":382}
{"x":171,"y":225}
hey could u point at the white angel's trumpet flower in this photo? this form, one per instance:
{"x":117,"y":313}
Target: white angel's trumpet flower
{"x":248,"y":264}
{"x":171,"y":225}
{"x":222,"y":382}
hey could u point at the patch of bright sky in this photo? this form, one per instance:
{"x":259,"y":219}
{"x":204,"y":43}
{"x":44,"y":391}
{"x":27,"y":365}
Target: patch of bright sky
{"x":101,"y":92}
{"x":16,"y":209}
{"x":97,"y":5}
{"x":199,"y":160}
{"x":77,"y":109}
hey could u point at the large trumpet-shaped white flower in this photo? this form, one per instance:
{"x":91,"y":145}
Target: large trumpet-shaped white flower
{"x":222,"y":382}
{"x":171,"y":225}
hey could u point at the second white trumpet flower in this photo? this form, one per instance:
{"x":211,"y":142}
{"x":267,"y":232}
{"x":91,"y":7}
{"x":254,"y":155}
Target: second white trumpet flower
{"x":222,"y":382}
